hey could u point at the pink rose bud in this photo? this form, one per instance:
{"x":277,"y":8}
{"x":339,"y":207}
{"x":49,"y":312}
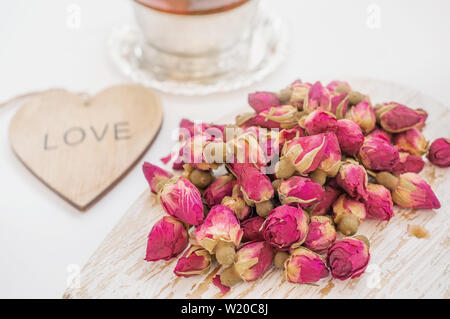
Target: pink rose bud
{"x":423,"y":118}
{"x":329,"y":197}
{"x":317,"y":98}
{"x":303,"y":155}
{"x":299,"y":93}
{"x":220,"y":225}
{"x":348,"y":214}
{"x":304,"y":266}
{"x":252,"y":229}
{"x":379,"y":202}
{"x":301,"y":190}
{"x":321,"y":233}
{"x":217,"y":190}
{"x":348,"y":258}
{"x":260,"y":101}
{"x":439,"y":153}
{"x":339,"y":87}
{"x":286,"y":227}
{"x":349,"y":136}
{"x":411,"y":141}
{"x":408,"y":163}
{"x":380,"y":133}
{"x":318,"y":122}
{"x":395,"y":117}
{"x":409,"y":190}
{"x":237,"y":204}
{"x":195,"y":261}
{"x":167,"y":239}
{"x":253,"y":260}
{"x":156,"y":177}
{"x":363,"y":115}
{"x":378,"y":155}
{"x":339,"y":104}
{"x":283,"y":116}
{"x":353,"y":179}
{"x":181,"y":199}
{"x":255,"y":186}
{"x":331,"y":161}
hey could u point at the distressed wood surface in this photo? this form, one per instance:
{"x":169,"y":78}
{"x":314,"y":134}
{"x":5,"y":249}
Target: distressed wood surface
{"x":81,"y":146}
{"x":401,"y":266}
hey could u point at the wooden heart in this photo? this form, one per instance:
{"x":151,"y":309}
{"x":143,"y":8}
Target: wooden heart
{"x":81,"y":146}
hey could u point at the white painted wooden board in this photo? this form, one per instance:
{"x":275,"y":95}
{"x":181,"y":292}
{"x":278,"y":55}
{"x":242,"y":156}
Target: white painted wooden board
{"x":401,"y":266}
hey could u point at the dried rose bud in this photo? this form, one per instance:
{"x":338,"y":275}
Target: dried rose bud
{"x":286,"y":227}
{"x":181,"y":199}
{"x":254,"y":185}
{"x":339,"y":104}
{"x":408,"y":163}
{"x":167,"y":239}
{"x":411,"y":141}
{"x":348,"y":214}
{"x":303,"y":155}
{"x":423,"y":118}
{"x":319,"y":121}
{"x":348,"y":257}
{"x":439,"y":153}
{"x":395,"y":117}
{"x":363,"y":115}
{"x":283,"y":116}
{"x":237,"y":204}
{"x":260,"y":101}
{"x":353,"y":179}
{"x":301,"y":190}
{"x":220,"y":234}
{"x":217,"y":190}
{"x":298,"y":94}
{"x":321,"y":233}
{"x":409,"y":190}
{"x":304,"y":266}
{"x":252,"y":229}
{"x":378,"y":155}
{"x":379,"y":202}
{"x":253,"y":260}
{"x":317,"y":98}
{"x":195,"y":261}
{"x":329,"y":197}
{"x":349,"y":136}
{"x":331,"y":161}
{"x":156,"y":177}
{"x":380,"y":133}
{"x":339,"y":87}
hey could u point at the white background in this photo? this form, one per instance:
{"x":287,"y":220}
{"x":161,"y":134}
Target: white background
{"x":41,"y":235}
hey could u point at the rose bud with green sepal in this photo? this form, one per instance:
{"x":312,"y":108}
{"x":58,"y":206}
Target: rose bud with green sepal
{"x":220,"y":234}
{"x":409,"y":190}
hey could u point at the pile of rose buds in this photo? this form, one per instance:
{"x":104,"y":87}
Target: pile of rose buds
{"x":311,"y":162}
